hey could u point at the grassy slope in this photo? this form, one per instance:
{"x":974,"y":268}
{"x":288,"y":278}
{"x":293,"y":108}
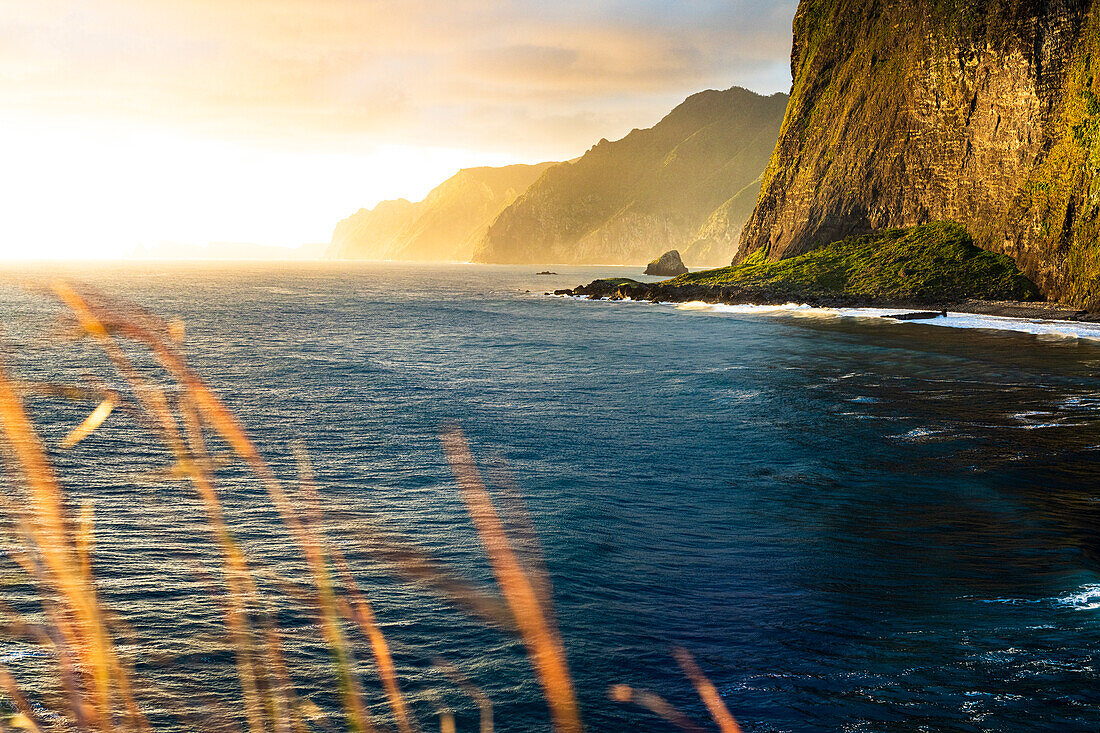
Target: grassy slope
{"x":931,"y":261}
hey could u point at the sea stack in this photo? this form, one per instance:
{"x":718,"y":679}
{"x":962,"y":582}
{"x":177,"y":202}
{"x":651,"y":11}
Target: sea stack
{"x":667,"y":265}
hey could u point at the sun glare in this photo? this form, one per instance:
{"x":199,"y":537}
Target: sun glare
{"x":99,"y":191}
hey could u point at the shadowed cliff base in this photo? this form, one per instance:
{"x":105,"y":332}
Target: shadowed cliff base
{"x":985,"y":113}
{"x":930,"y":265}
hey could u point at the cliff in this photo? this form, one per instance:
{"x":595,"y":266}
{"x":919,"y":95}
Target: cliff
{"x":657,"y":189}
{"x":982,"y":113}
{"x":445,"y":226}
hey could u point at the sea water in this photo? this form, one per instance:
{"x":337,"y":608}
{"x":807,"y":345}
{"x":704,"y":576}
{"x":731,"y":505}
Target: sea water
{"x":852,"y":523}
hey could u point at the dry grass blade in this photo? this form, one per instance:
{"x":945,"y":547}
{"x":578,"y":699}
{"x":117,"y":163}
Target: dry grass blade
{"x":242,"y":589}
{"x":312,"y":544}
{"x":707,"y":691}
{"x":422,"y":568}
{"x":58,"y":555}
{"x":362,"y":614}
{"x":265,"y":700}
{"x":522,"y":531}
{"x":484,"y":704}
{"x":151,"y":397}
{"x":177,"y":331}
{"x":360,"y":609}
{"x":51,"y":536}
{"x":11,"y":688}
{"x":236,"y":621}
{"x":446,"y":716}
{"x":655,"y":704}
{"x":19,"y":721}
{"x":156,"y":404}
{"x":93,"y":314}
{"x":49,"y":637}
{"x":93,"y":421}
{"x":72,"y":392}
{"x":234,"y":569}
{"x":539,"y":635}
{"x":48,"y":519}
{"x":85,"y":540}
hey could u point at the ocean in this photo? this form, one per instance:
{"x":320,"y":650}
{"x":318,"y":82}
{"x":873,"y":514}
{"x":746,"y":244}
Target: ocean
{"x":854,"y":524}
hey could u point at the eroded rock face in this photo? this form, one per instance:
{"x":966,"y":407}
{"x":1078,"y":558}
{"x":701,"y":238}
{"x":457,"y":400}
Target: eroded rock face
{"x":667,"y":265}
{"x":986,"y":113}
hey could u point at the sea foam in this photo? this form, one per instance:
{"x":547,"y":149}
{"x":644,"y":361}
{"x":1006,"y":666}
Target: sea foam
{"x":1085,"y":598}
{"x":1044,"y":329}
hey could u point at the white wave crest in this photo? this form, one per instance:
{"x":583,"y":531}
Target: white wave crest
{"x":1085,"y":598}
{"x":1043,"y":329}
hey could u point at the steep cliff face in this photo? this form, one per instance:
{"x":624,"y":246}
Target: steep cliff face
{"x":983,"y":112}
{"x":445,"y":226}
{"x":626,"y":202}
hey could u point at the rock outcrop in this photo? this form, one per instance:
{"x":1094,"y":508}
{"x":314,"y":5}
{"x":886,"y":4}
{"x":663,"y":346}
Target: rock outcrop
{"x":688,"y":183}
{"x":445,"y":226}
{"x":667,"y":265}
{"x":984,"y":112}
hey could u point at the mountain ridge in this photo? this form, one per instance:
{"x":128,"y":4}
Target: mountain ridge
{"x":444,"y":226}
{"x":628,"y":201}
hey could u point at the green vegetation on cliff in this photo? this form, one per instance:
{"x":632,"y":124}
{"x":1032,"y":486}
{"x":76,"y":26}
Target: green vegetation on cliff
{"x":982,"y":112}
{"x":1062,"y":196}
{"x":934,"y":261}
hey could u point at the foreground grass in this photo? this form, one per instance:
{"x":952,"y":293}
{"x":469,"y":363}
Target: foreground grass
{"x":91,"y":685}
{"x":937,"y":260}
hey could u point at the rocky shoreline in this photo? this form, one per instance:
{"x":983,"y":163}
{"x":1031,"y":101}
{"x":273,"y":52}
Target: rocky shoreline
{"x":663,"y":292}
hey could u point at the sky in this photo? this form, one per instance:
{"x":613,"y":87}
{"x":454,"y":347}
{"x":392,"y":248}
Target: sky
{"x":138,"y":126}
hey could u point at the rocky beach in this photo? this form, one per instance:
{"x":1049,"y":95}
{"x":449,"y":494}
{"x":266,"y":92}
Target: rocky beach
{"x":668,"y":292}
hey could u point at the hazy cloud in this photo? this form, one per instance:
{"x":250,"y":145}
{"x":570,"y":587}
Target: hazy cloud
{"x":521,"y":77}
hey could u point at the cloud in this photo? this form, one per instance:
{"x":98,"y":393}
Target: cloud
{"x":493,"y":74}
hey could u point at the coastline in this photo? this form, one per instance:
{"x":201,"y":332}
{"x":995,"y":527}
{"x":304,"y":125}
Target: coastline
{"x":735,"y":295}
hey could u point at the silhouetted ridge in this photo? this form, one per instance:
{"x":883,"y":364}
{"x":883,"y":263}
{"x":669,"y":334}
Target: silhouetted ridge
{"x":445,"y":226}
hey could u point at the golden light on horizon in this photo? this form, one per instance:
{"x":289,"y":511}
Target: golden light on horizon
{"x":99,"y":191}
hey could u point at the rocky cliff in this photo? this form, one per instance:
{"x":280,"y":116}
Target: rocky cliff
{"x":687,"y":183}
{"x":981,"y":112}
{"x":445,"y":226}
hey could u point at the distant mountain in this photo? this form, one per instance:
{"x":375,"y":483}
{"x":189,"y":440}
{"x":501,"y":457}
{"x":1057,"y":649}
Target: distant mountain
{"x":687,"y":183}
{"x":445,"y":226}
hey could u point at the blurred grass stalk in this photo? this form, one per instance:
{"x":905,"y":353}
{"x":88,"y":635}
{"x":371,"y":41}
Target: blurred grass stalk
{"x":56,"y":552}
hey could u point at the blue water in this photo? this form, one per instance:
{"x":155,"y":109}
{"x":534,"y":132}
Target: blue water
{"x":853,"y":525}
